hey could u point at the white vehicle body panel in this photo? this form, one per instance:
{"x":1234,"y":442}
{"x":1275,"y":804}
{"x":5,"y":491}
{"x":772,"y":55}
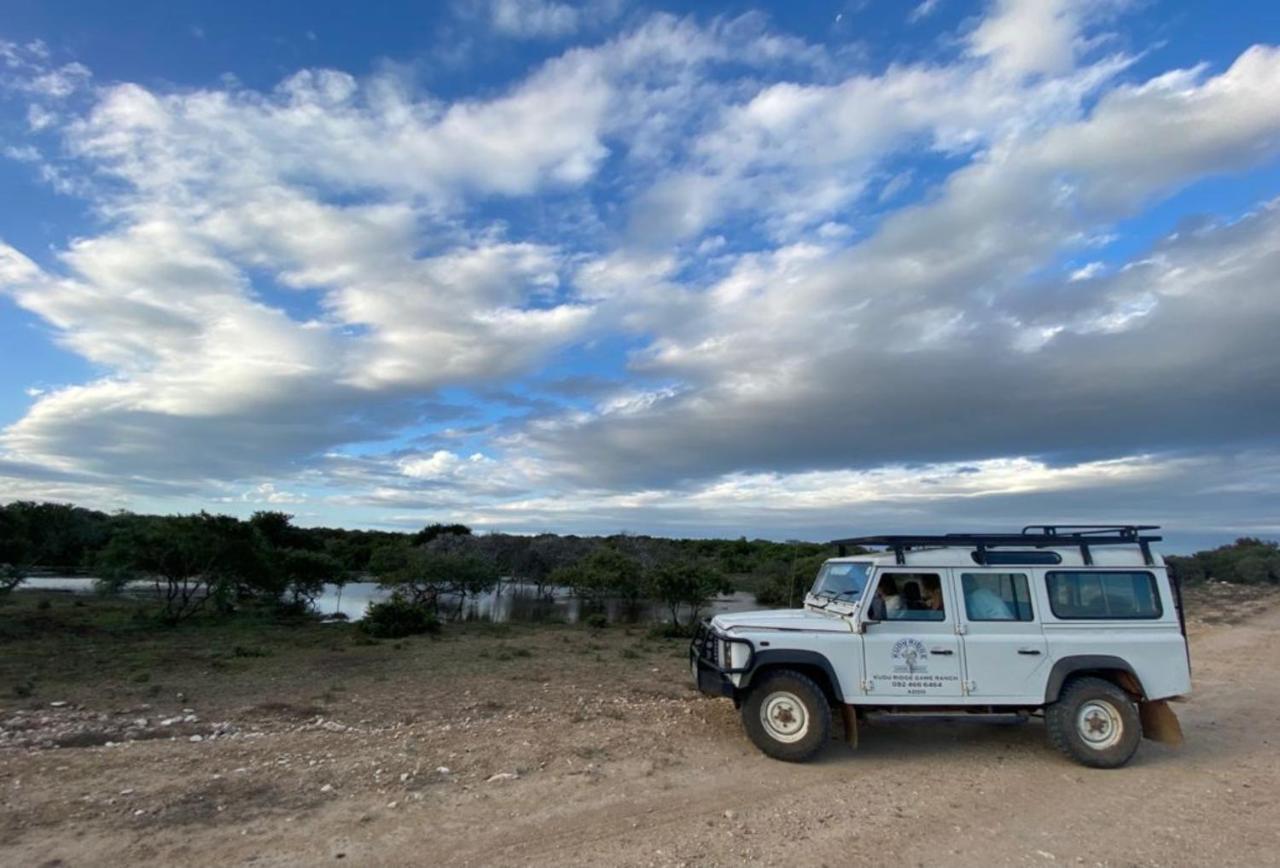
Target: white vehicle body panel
{"x":960,"y":660}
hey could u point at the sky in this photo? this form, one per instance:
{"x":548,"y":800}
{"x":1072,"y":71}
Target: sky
{"x":793,"y":270}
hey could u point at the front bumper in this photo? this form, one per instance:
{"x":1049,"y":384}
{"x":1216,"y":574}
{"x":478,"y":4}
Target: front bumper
{"x":707,"y":663}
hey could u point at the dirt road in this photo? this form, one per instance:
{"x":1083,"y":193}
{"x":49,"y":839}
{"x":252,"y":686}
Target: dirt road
{"x":658,"y":776}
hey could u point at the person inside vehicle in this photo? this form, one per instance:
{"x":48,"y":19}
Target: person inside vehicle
{"x":984,"y":604}
{"x":911,"y":600}
{"x":888,"y":592}
{"x":886,"y":596}
{"x":933,"y":595}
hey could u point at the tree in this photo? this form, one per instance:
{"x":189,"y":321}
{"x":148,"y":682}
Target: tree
{"x":277,"y":529}
{"x":424,"y":577}
{"x":605,"y":572}
{"x":1247,"y":561}
{"x":306,"y":573}
{"x":431,"y":531}
{"x":688,"y":583}
{"x":192,"y":559}
{"x":11,"y":576}
{"x":782,"y":583}
{"x":15,"y":553}
{"x":54,"y":534}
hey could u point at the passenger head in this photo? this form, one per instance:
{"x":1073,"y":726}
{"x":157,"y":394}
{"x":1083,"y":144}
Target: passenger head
{"x":933,"y":595}
{"x":911,"y":594}
{"x":888,"y":587}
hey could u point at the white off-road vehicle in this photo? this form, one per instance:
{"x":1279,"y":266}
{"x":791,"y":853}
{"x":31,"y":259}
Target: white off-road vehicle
{"x":1081,"y":624}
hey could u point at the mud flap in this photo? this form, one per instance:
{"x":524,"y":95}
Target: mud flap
{"x":1159,"y":723}
{"x":850,"y":716}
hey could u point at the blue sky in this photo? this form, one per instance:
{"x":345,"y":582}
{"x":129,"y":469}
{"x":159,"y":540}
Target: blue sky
{"x":697,"y":269}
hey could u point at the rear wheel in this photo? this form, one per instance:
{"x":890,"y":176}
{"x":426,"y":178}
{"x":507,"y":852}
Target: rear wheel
{"x":1095,"y":723}
{"x":787,"y":716}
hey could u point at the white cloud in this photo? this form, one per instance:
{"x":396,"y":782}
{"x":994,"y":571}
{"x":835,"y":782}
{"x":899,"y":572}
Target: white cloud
{"x":1087,"y":271}
{"x":1025,"y":36}
{"x":535,"y":18}
{"x":267,"y":492}
{"x":776,"y":356}
{"x":923,"y":10}
{"x":812,"y":327}
{"x":62,"y":82}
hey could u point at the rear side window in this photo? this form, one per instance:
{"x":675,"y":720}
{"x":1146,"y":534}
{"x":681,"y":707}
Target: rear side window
{"x":1113,"y":594}
{"x":996,"y":596}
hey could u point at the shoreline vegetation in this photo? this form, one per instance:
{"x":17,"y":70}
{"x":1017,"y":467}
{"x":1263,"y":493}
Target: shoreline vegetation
{"x":202,"y":562}
{"x":204,"y":565}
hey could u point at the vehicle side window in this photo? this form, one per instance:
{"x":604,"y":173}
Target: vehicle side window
{"x":910,"y":597}
{"x":1097,"y":594}
{"x":996,"y":596}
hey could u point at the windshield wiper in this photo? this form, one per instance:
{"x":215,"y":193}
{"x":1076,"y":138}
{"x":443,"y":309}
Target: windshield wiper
{"x":824,"y":595}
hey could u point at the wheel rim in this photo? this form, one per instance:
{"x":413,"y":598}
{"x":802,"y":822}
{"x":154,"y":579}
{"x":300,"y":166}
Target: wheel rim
{"x":1099,"y":724}
{"x":784,"y":717}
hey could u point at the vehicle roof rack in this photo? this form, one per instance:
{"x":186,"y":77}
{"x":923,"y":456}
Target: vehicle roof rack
{"x":1033,"y":535}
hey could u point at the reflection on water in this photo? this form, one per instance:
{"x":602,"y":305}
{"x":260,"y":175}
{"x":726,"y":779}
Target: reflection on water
{"x":506,"y":602}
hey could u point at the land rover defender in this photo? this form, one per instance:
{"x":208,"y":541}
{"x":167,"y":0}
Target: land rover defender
{"x":1079,"y":624}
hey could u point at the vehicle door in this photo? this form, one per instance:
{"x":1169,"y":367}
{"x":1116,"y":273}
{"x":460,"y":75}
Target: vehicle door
{"x":1005,"y":651}
{"x":911,"y":651}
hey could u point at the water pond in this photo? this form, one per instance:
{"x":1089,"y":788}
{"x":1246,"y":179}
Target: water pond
{"x":508,"y":601}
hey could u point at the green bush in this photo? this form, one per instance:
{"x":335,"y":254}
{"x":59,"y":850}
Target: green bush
{"x":244,"y":651}
{"x":596,"y":620}
{"x":1247,"y":561}
{"x":670,"y":630}
{"x":294,"y":610}
{"x":397,"y":618}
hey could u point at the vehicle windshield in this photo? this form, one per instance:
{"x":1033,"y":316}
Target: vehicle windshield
{"x":841,"y":581}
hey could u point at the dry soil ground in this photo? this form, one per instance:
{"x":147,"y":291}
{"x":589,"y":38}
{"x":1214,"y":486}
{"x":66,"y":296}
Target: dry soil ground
{"x":590,"y":750}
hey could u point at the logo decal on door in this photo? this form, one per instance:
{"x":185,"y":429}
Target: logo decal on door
{"x":912,"y":654}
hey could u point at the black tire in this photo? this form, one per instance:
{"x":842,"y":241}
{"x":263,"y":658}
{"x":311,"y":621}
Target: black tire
{"x":794,"y":702}
{"x":1095,"y":723}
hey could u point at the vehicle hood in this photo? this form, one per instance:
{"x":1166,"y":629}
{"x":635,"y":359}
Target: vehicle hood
{"x":782,"y":619}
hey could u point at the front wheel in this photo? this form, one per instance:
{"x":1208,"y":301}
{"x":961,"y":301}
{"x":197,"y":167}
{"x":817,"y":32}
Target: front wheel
{"x":787,"y":716}
{"x":1095,"y":723}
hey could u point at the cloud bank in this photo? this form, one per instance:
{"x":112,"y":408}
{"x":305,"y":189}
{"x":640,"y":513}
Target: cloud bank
{"x":695,"y":276}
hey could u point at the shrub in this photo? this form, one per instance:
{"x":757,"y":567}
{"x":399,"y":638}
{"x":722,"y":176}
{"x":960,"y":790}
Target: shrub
{"x":690,"y":584}
{"x":292,"y":610}
{"x":243,"y":651}
{"x":672,"y":630}
{"x":605,"y":572}
{"x":596,"y":620}
{"x":10,"y":577}
{"x":424,"y":576}
{"x":397,"y":618}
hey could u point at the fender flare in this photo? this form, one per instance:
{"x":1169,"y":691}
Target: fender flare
{"x":783,"y":656}
{"x":1065,"y":667}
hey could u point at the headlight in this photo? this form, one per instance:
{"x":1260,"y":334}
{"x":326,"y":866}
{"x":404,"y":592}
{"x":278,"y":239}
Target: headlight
{"x":726,"y":654}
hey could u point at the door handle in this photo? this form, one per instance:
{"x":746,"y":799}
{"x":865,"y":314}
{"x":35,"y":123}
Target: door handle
{"x":1030,"y":652}
{"x":943,"y":651}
